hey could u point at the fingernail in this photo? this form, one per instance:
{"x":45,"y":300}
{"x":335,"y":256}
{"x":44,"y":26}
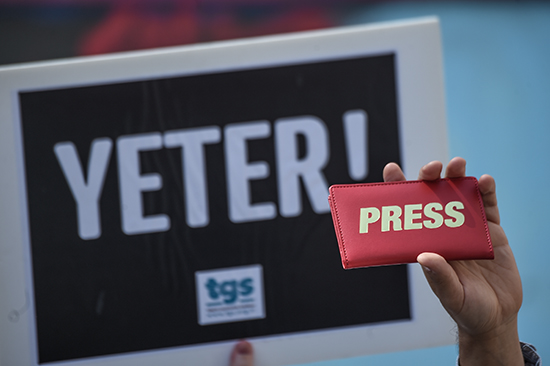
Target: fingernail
{"x":428,"y":270}
{"x":244,"y":348}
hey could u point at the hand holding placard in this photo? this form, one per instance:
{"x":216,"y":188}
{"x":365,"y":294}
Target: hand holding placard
{"x":242,"y":354}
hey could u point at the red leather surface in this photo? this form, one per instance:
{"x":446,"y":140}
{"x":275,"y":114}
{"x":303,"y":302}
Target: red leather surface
{"x":423,"y":225}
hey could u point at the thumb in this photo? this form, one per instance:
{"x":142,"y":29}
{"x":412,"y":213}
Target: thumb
{"x":242,"y":354}
{"x":443,"y":280}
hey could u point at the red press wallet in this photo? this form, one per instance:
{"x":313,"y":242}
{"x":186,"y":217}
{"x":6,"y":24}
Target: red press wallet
{"x":392,"y":223}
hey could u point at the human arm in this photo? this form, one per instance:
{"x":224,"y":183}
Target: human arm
{"x":484,"y":296}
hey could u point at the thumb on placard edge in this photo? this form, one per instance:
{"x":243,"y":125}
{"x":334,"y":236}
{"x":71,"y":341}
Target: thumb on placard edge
{"x":242,"y":354}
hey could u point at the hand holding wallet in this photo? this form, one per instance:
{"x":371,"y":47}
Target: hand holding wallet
{"x":392,"y":223}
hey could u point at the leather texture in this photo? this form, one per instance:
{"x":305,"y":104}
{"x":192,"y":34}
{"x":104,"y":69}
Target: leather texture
{"x":392,"y":223}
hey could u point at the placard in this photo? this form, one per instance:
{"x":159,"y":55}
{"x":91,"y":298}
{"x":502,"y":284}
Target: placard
{"x":159,"y":205}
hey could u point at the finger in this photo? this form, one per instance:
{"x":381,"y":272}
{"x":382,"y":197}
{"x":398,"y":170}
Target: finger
{"x":242,"y":354}
{"x":456,"y":168}
{"x":393,"y":173}
{"x":487,"y":188}
{"x":443,"y":281}
{"x":430,"y":171}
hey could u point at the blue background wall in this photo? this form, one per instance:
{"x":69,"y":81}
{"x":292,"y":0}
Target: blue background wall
{"x":497,"y":60}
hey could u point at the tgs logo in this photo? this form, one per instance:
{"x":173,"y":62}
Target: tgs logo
{"x":230,"y":294}
{"x":229,"y":291}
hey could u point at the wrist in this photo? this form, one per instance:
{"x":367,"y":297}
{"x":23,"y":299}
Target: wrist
{"x":499,"y":346}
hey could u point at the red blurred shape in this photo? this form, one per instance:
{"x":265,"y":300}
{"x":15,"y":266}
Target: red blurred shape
{"x":228,"y":26}
{"x":133,"y":27}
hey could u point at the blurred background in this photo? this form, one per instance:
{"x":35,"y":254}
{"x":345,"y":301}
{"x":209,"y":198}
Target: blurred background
{"x":496,"y":58}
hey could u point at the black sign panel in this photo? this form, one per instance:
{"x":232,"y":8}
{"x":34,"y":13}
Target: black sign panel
{"x":134,"y":188}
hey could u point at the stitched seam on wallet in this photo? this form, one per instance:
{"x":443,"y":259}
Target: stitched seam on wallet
{"x":480,"y":202}
{"x":340,"y":227}
{"x":340,"y":186}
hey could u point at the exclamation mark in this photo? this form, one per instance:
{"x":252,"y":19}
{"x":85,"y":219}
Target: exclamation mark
{"x":355,"y":132}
